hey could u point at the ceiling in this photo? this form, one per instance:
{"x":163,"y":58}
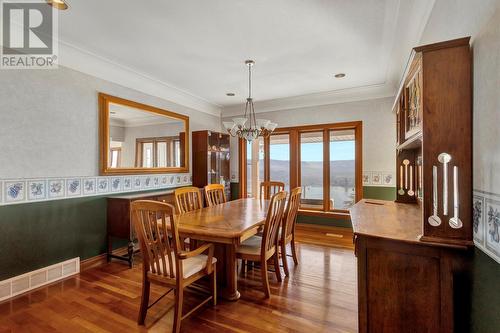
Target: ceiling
{"x":197,"y":48}
{"x":126,"y":116}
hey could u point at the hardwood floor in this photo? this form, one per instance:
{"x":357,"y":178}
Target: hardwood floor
{"x":319,"y":296}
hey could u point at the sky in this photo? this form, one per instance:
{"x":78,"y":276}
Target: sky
{"x":313,"y":152}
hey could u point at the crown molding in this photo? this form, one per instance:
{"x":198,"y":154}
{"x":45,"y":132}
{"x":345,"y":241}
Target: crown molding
{"x":322,"y":98}
{"x":90,"y":63}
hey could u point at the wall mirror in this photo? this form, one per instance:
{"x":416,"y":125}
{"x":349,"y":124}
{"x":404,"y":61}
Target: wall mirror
{"x":137,"y":138}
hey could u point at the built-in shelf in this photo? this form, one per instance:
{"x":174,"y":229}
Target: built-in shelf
{"x":413,"y":142}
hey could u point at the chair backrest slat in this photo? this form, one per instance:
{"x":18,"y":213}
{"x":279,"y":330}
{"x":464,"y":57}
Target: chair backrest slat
{"x":290,"y":215}
{"x":169,"y":248}
{"x":187,"y":199}
{"x":268,"y":189}
{"x":159,"y":243}
{"x":273,"y":221}
{"x":214,"y":194}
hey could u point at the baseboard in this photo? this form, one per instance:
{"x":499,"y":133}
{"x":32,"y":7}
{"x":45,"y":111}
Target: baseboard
{"x":100,"y":260}
{"x":39,"y":278}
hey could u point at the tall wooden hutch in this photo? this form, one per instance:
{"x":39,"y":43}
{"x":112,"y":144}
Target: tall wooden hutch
{"x":211,"y":160}
{"x":412,"y":253}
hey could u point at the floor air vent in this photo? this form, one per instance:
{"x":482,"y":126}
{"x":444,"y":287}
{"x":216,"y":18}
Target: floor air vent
{"x":28,"y":281}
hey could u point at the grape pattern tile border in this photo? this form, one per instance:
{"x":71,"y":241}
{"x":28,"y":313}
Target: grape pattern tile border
{"x":26,"y":190}
{"x":486,"y":222}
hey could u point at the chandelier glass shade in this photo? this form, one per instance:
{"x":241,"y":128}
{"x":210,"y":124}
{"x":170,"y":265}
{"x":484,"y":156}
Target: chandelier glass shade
{"x":248,"y":127}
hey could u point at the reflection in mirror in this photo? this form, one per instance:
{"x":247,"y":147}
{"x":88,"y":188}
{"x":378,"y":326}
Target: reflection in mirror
{"x":142,"y":139}
{"x":138,"y":138}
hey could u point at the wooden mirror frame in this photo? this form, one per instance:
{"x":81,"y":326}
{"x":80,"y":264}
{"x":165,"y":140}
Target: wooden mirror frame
{"x":104,"y":101}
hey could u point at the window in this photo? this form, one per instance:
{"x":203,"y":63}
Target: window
{"x":279,"y":159}
{"x":147,"y":155}
{"x":161,"y":154}
{"x":255,"y":166}
{"x":158,"y":152}
{"x":311,"y":169}
{"x":324,"y":160}
{"x":116,"y":154}
{"x":249,"y":169}
{"x":177,"y":153}
{"x":342,"y":168}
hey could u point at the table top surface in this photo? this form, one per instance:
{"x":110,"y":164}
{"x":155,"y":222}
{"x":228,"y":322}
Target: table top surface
{"x":387,"y":219}
{"x":230,"y":220}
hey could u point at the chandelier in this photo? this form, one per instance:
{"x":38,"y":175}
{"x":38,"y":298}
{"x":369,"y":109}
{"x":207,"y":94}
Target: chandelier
{"x":247,"y":127}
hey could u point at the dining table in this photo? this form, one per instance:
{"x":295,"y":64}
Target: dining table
{"x":226,"y":225}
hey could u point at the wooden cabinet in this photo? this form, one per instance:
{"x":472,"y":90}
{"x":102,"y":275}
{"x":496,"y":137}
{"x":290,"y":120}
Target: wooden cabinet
{"x":211,"y":159}
{"x":404,"y":284}
{"x":434,"y":151}
{"x":119,"y":219}
{"x":413,"y":253}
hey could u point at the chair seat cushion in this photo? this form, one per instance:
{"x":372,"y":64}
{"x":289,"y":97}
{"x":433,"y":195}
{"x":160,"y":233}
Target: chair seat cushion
{"x":190,"y":266}
{"x":250,"y":246}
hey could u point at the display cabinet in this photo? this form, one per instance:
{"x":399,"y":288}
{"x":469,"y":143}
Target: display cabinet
{"x":434,"y":152}
{"x":413,"y":254}
{"x":211,"y":159}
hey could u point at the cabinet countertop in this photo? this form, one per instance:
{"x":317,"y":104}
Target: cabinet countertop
{"x":387,"y":219}
{"x":143,"y":194}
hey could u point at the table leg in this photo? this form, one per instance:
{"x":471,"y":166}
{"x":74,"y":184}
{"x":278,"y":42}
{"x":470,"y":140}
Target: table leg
{"x":110,"y":248}
{"x":130,"y":252}
{"x":230,"y":291}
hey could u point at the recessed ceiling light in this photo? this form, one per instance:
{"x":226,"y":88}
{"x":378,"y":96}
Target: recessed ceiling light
{"x":230,"y":94}
{"x":339,"y":75}
{"x":58,"y":4}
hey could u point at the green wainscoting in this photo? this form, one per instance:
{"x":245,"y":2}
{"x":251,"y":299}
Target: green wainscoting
{"x":35,"y":235}
{"x":485,"y":309}
{"x":379,"y":192}
{"x":328,"y":221}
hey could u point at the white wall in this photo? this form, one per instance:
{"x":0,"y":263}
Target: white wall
{"x":49,"y":121}
{"x":487,"y":107}
{"x":379,"y":129}
{"x":486,"y":150}
{"x":452,"y":19}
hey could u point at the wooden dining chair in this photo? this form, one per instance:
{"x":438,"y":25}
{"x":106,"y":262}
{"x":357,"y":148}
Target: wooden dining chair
{"x":268,"y":189}
{"x":164,"y":262}
{"x":263,"y":248}
{"x":287,"y":232}
{"x":214,"y":194}
{"x":187,"y":199}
